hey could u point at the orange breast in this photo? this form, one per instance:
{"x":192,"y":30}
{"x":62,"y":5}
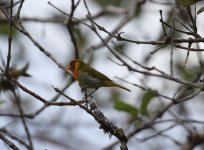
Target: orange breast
{"x":76,"y":69}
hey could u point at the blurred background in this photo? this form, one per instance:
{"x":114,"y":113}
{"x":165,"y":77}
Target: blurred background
{"x":165,"y":106}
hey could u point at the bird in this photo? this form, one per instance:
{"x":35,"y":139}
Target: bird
{"x":89,"y":78}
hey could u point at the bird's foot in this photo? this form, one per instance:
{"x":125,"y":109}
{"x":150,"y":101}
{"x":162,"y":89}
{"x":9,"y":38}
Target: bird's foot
{"x":88,"y":100}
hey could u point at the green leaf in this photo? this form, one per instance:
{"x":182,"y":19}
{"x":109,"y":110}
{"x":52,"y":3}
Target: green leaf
{"x":5,"y":85}
{"x":187,"y":3}
{"x":122,"y":106}
{"x":187,"y":73}
{"x":104,"y":3}
{"x":2,"y":102}
{"x":120,"y":47}
{"x":4,"y":29}
{"x":80,"y":37}
{"x":147,"y":97}
{"x":200,"y":10}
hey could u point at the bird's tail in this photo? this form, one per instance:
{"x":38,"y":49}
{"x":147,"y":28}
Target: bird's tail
{"x":122,"y":87}
{"x":117,"y":85}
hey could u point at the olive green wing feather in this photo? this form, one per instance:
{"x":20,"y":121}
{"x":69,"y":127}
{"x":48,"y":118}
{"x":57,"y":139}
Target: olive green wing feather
{"x":94,"y":73}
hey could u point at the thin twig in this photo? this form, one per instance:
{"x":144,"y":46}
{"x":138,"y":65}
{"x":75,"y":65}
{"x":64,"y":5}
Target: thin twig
{"x":8,"y":142}
{"x":19,"y":105}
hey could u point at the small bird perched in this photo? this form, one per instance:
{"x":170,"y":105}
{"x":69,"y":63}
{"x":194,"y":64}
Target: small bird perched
{"x":88,"y":77}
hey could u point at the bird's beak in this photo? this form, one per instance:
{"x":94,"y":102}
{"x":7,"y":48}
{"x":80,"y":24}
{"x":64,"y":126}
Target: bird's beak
{"x":68,"y":67}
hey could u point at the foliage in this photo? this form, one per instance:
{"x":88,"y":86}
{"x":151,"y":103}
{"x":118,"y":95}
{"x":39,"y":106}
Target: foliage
{"x":153,"y":47}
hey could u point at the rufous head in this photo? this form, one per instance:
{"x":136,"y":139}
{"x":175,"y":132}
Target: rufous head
{"x":72,"y":65}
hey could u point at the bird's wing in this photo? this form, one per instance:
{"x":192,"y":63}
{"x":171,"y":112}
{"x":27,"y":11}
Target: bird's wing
{"x":94,"y":73}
